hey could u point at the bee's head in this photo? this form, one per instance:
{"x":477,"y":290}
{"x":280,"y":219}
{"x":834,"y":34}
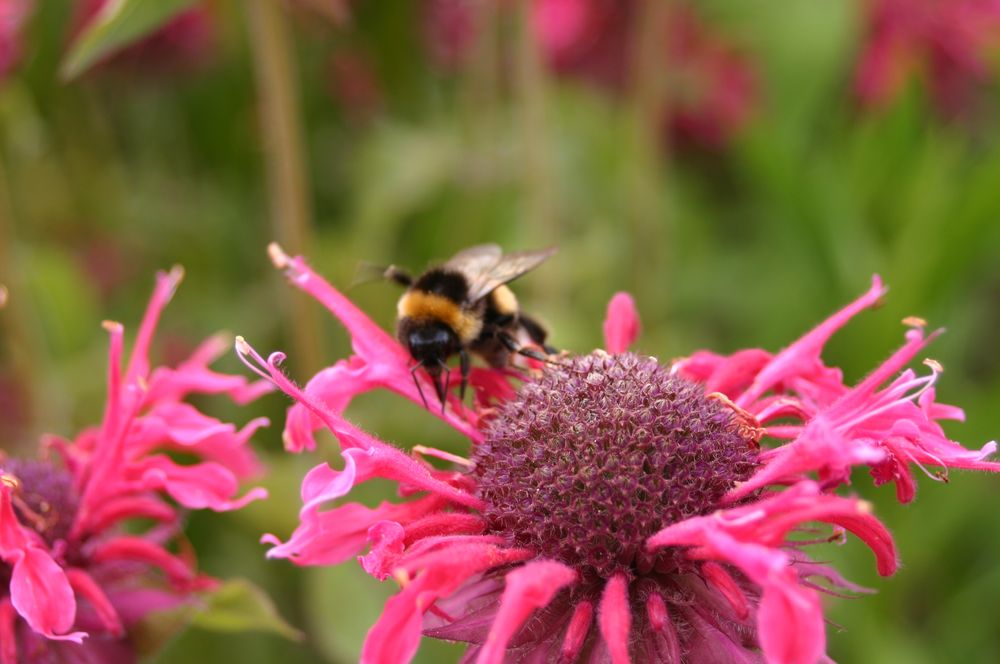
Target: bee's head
{"x":430,"y":343}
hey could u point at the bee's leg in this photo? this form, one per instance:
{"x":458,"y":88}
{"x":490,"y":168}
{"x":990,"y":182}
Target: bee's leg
{"x":512,"y":345}
{"x":536,"y":333}
{"x":400,"y":276}
{"x":463,"y":359}
{"x":442,"y":385}
{"x":413,"y":375}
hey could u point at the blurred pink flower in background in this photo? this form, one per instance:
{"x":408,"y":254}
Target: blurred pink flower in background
{"x":13,"y":14}
{"x":588,"y":38}
{"x":613,"y":508}
{"x":185,"y":42}
{"x":450,"y":30}
{"x":711,"y":87}
{"x":946,"y":42}
{"x":75,"y":572}
{"x":354,"y":83}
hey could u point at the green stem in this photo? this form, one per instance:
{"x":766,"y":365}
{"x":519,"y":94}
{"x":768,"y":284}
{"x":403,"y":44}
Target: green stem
{"x":479,"y":98}
{"x":15,"y":315}
{"x":530,"y":90}
{"x":651,"y":225}
{"x":291,"y":209}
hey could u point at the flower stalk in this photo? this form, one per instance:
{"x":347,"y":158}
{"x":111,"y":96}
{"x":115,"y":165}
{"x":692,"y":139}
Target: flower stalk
{"x":648,"y":96}
{"x":281,"y":127}
{"x":530,"y":93}
{"x":14,"y":320}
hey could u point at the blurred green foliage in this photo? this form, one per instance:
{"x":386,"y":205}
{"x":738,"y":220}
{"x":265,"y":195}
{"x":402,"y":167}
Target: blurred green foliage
{"x":118,"y":173}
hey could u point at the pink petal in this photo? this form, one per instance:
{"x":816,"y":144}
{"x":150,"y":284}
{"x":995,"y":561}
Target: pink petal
{"x":323,"y":484}
{"x":444,"y":523}
{"x":167,"y":384}
{"x":718,"y":578}
{"x":665,"y":641}
{"x":387,"y":548}
{"x":529,"y":587}
{"x":396,"y":635}
{"x":86,"y":587}
{"x":138,"y":549}
{"x":166,"y":286}
{"x":385,"y":361}
{"x":199,"y":486}
{"x":364,"y":456}
{"x":802,"y":357}
{"x":129,"y":507}
{"x":878,"y":426}
{"x":768,"y":521}
{"x":816,"y":449}
{"x":615,"y":618}
{"x":789,"y":618}
{"x":334,"y":388}
{"x":577,"y":631}
{"x":41,"y":594}
{"x":14,"y":538}
{"x":336,"y":535}
{"x":368,"y":339}
{"x":8,"y":633}
{"x":194,"y":376}
{"x":621,"y":324}
{"x":738,"y":371}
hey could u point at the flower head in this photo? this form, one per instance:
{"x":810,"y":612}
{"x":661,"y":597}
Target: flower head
{"x":613,"y":508}
{"x":73,"y":579}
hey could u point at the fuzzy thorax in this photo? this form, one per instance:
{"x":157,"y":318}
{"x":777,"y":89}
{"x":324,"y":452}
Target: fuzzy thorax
{"x":420,"y":305}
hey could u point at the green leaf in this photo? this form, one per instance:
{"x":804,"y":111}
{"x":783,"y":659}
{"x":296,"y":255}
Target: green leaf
{"x":238,"y":605}
{"x":118,"y":24}
{"x":158,"y":628}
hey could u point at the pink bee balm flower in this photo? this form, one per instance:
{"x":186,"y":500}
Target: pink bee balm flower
{"x":185,"y":42}
{"x":947,"y":41}
{"x":13,"y":14}
{"x":612,"y":508}
{"x":73,"y":579}
{"x":711,"y":87}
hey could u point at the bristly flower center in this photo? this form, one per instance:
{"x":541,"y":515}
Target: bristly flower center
{"x":600,"y":453}
{"x":45,"y":499}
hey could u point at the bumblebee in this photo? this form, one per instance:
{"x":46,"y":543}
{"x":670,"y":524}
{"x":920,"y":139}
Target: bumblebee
{"x":464,"y":306}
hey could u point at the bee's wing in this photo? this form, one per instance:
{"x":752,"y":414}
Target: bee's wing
{"x":476,"y":260}
{"x":486,"y":269}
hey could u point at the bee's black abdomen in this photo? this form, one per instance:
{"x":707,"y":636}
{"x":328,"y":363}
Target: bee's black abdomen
{"x":451,"y":285}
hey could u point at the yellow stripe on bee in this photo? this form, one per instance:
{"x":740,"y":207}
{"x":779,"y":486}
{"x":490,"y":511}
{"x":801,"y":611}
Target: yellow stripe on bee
{"x":431,"y":306}
{"x":504,"y":300}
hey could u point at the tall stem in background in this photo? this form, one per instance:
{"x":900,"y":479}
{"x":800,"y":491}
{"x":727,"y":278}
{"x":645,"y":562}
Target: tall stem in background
{"x":481,"y":91}
{"x":650,"y":221}
{"x":14,"y":318}
{"x":530,"y":97}
{"x":291,"y":209}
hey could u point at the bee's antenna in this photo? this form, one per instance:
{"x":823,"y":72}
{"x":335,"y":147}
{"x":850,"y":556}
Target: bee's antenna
{"x":400,"y":276}
{"x":413,"y":375}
